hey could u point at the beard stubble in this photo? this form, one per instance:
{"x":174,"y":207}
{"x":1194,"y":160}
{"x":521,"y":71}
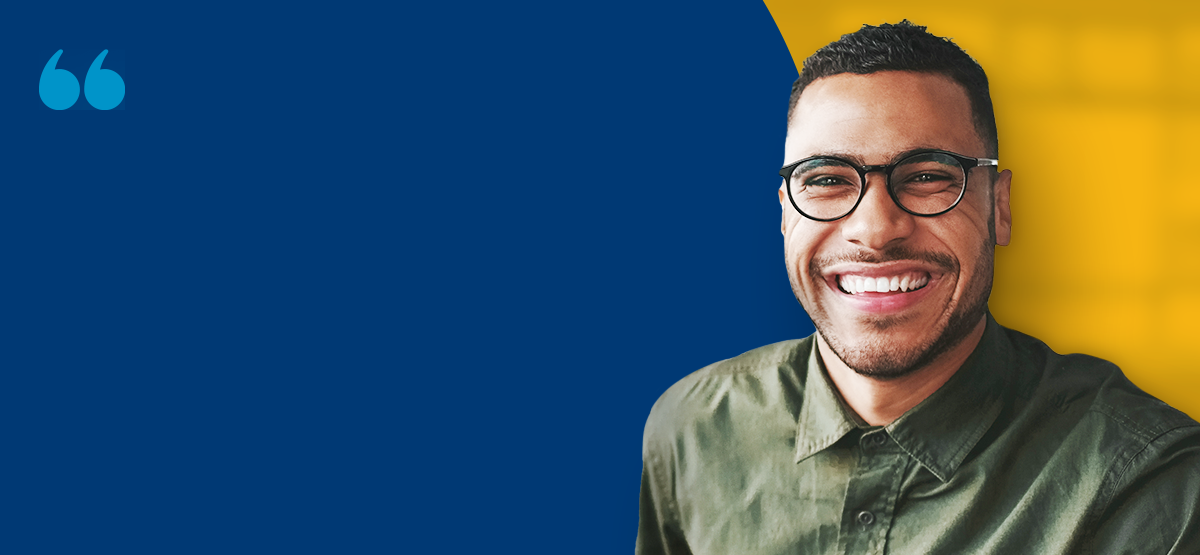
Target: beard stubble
{"x":882,"y":359}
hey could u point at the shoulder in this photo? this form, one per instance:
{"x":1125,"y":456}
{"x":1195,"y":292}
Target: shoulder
{"x":1126,"y":431}
{"x":767,"y":376}
{"x":1092,"y":385}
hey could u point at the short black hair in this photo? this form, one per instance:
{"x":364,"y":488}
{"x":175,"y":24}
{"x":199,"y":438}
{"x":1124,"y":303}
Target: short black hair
{"x":904,"y":47}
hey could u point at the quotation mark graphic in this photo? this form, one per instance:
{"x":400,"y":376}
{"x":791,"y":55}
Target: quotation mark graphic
{"x":59,"y":89}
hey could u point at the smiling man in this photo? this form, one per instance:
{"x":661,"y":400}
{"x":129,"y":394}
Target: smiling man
{"x":911,"y":422}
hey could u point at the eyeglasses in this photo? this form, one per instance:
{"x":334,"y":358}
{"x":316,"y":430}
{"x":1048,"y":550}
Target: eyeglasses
{"x":924,"y":183}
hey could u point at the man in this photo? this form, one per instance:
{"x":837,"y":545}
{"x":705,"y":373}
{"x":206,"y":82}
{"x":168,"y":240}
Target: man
{"x":911,"y":422}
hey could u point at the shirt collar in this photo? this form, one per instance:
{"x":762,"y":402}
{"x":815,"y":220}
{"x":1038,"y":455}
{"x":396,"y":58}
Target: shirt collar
{"x":940,"y":431}
{"x":824,"y":417}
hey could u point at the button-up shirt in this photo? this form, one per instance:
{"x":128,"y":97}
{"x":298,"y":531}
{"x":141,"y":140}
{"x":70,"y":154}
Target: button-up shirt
{"x":1023,"y":450}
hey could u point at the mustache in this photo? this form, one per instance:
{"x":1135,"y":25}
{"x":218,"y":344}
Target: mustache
{"x":940,"y":260}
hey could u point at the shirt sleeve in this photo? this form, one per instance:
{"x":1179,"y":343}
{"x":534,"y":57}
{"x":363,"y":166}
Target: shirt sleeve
{"x":1154,"y":508}
{"x":659,"y":532}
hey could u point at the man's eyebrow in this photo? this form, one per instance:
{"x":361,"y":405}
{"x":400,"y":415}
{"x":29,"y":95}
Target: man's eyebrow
{"x":858,"y":159}
{"x":840,"y":154}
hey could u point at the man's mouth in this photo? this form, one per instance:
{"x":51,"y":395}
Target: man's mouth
{"x":905,"y":282}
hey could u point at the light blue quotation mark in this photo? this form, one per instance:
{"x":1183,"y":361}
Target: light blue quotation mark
{"x":59,"y":89}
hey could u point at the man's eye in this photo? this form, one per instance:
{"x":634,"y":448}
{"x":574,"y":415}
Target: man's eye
{"x":927,"y":177}
{"x":926,"y":181}
{"x":825,"y":181}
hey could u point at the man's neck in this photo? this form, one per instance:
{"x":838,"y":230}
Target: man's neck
{"x":879,"y":402}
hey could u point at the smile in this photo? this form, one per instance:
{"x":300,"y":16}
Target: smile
{"x":859,"y":284}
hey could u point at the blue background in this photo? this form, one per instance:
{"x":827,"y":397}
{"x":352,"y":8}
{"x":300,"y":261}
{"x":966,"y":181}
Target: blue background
{"x":375,"y":280}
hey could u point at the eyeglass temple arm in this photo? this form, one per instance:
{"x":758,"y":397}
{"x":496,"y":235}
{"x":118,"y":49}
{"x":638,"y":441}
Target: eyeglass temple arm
{"x":986,"y":162}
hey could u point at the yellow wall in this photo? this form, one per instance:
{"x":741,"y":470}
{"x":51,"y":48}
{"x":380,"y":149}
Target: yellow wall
{"x":1098,"y":107}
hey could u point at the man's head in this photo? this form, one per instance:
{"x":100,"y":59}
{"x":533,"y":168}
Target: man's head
{"x":908,"y":97}
{"x":903,"y":47}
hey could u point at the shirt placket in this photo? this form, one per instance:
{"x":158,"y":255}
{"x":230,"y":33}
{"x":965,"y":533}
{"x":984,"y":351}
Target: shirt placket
{"x":871,"y":494}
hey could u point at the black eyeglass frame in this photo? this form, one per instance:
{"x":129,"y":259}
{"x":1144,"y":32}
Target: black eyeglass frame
{"x":968,"y":163}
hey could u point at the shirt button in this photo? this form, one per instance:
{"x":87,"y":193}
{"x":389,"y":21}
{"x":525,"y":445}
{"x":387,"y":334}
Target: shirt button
{"x":865,"y":518}
{"x":879,"y":439}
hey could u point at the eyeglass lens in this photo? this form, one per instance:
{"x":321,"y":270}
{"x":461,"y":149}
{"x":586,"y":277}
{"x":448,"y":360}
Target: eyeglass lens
{"x":827,"y":188}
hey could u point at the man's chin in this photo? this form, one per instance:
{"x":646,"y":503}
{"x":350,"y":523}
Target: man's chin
{"x":881,"y":358}
{"x":880,"y":346}
{"x":889,"y":328}
{"x":890,"y":347}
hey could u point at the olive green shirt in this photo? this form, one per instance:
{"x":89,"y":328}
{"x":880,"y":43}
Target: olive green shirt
{"x":1022,"y":451}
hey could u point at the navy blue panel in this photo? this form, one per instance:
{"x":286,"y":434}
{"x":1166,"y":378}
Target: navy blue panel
{"x":360,"y":279}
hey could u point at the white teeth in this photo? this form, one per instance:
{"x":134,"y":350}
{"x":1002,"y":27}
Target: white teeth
{"x":905,"y":283}
{"x":848,"y":285}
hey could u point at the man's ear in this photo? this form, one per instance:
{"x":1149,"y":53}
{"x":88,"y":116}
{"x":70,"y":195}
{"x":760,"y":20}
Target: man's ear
{"x":783,"y":212}
{"x":1001,"y":208}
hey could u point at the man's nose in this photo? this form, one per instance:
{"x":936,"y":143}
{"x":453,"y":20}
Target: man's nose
{"x":878,"y":221}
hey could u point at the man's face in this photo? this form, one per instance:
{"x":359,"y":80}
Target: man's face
{"x":876,"y":119}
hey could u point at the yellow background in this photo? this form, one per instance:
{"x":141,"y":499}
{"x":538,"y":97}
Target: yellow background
{"x":1098,"y":108}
